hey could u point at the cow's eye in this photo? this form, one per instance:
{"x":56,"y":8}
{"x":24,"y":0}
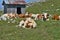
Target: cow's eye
{"x":23,"y":24}
{"x":42,"y":15}
{"x":47,"y":14}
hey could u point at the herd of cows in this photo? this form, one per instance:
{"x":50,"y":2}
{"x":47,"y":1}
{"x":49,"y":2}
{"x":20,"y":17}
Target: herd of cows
{"x":29,"y":18}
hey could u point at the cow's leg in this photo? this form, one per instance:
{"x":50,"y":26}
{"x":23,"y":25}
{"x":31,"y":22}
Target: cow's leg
{"x":24,"y":25}
{"x":21,"y":23}
{"x":34,"y":25}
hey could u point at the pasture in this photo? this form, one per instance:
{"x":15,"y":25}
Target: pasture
{"x":49,"y":30}
{"x":46,"y":30}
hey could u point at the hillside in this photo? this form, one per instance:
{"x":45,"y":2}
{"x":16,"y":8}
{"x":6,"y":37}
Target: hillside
{"x":51,"y":6}
{"x":45,"y":30}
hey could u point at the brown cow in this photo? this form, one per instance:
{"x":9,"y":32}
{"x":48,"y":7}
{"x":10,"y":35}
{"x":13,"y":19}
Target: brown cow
{"x":28,"y":23}
{"x":56,"y":17}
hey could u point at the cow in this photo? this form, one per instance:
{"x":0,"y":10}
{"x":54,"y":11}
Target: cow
{"x":23,"y":15}
{"x":56,"y":17}
{"x":8,"y":16}
{"x":4,"y":17}
{"x":31,"y":15}
{"x":35,"y":16}
{"x":27,"y":23}
{"x":12,"y":15}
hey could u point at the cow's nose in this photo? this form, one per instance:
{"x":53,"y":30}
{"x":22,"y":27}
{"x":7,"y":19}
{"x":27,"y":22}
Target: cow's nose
{"x":44,"y":19}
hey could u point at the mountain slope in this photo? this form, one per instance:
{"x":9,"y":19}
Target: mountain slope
{"x":51,"y":6}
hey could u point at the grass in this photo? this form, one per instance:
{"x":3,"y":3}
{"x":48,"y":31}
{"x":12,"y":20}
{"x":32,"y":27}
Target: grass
{"x":48,"y":30}
{"x":45,"y":31}
{"x":44,"y":6}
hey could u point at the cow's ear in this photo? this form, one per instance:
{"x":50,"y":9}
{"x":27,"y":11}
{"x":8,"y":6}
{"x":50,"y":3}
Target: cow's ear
{"x":42,"y":15}
{"x":47,"y":14}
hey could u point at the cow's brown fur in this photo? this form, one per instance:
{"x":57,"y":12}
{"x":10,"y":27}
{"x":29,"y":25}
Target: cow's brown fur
{"x":55,"y":17}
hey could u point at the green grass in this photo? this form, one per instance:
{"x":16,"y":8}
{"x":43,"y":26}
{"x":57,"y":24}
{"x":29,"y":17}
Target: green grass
{"x":45,"y":31}
{"x":43,"y":6}
{"x":49,"y":30}
{"x":1,"y":13}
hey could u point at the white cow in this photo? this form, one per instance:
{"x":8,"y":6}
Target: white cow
{"x":36,"y":16}
{"x":8,"y":16}
{"x":4,"y":17}
{"x":28,"y":23}
{"x":21,"y":23}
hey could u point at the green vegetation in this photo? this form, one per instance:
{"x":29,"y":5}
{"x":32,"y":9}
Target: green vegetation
{"x":49,"y":6}
{"x":49,"y":30}
{"x":1,"y":13}
{"x":45,"y":31}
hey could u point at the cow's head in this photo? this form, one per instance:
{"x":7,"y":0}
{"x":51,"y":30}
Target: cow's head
{"x":45,"y":16}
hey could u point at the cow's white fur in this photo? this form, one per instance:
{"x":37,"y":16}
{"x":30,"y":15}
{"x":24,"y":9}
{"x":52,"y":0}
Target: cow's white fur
{"x":59,"y":17}
{"x":4,"y":17}
{"x":21,"y":22}
{"x":35,"y":16}
{"x":45,"y":15}
{"x":33,"y":23}
{"x":26,"y":13}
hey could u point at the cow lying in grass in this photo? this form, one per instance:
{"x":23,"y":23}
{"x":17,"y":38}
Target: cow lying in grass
{"x":56,"y":17}
{"x":35,"y":16}
{"x":27,"y":23}
{"x":4,"y":17}
{"x":44,"y":16}
{"x":8,"y":16}
{"x":31,"y":15}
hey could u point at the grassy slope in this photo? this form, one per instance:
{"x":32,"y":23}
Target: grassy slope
{"x":44,"y":31}
{"x":42,"y":7}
